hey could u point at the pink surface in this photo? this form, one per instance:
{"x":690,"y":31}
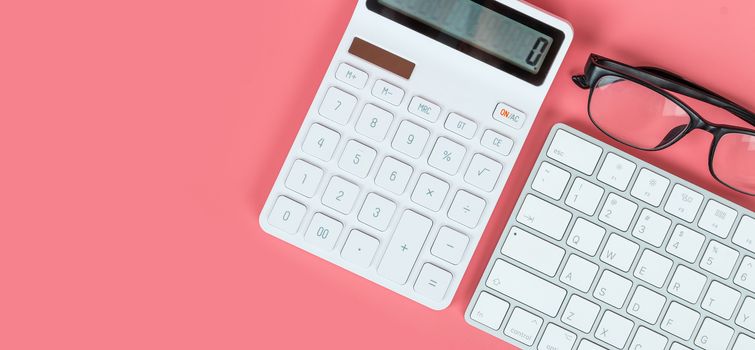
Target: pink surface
{"x":139,"y":140}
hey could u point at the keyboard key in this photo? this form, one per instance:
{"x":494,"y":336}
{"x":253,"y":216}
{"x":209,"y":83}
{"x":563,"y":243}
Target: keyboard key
{"x":614,"y":329}
{"x":287,"y":215}
{"x":509,"y":116}
{"x":650,"y":187}
{"x":377,"y":212}
{"x":745,"y":276}
{"x":584,"y":196}
{"x":685,"y":243}
{"x":746,"y":315}
{"x":461,"y":126}
{"x":404,"y":248}
{"x":410,"y":139}
{"x":648,"y":340}
{"x":323,"y":231}
{"x":321,"y":142}
{"x":653,"y":268}
{"x":683,"y":203}
{"x":532,"y":251}
{"x":677,"y":346}
{"x":374,"y":122}
{"x":357,"y":159}
{"x":686,"y":284}
{"x":588,"y":345}
{"x":579,"y":273}
{"x":352,"y":76}
{"x":574,"y":152}
{"x":651,"y":228}
{"x":489,"y":311}
{"x":619,"y":252}
{"x":618,"y":212}
{"x":744,"y":342}
{"x":744,"y":236}
{"x":497,"y":142}
{"x":580,"y":313}
{"x":447,"y":156}
{"x":393,"y":175}
{"x":719,"y":259}
{"x":466,"y":209}
{"x":523,"y":326}
{"x":556,"y":338}
{"x":612,"y":289}
{"x":713,"y":335}
{"x":544,"y":217}
{"x":551,"y":180}
{"x":680,"y":320}
{"x":304,"y":178}
{"x":586,"y":236}
{"x":433,"y":282}
{"x":337,"y":105}
{"x":340,"y":195}
{"x":360,"y":249}
{"x":430,"y":192}
{"x":526,"y":288}
{"x":424,"y":109}
{"x":388,"y":92}
{"x":717,"y":219}
{"x":616,"y":171}
{"x":721,"y":300}
{"x":483,"y":172}
{"x":450,"y":245}
{"x":646,"y":305}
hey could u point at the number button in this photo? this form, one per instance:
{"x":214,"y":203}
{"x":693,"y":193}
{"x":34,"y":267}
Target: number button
{"x":719,"y":259}
{"x":685,"y":243}
{"x":430,"y":192}
{"x":337,"y":105}
{"x":746,"y":274}
{"x":377,"y":212}
{"x":393,"y":175}
{"x":410,"y":139}
{"x":287,"y":215}
{"x":357,"y":159}
{"x":447,"y":156}
{"x":304,"y":178}
{"x":323,"y":231}
{"x":651,"y":228}
{"x":483,"y":172}
{"x":374,"y":122}
{"x":618,"y":212}
{"x":321,"y":142}
{"x":340,"y":195}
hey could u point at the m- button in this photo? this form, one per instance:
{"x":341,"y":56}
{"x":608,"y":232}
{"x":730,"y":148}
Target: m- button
{"x":388,"y":92}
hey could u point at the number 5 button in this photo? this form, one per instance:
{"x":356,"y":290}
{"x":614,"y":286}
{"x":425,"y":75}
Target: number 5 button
{"x":483,"y":172}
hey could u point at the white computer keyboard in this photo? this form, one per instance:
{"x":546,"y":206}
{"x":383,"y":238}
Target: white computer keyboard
{"x":605,"y":251}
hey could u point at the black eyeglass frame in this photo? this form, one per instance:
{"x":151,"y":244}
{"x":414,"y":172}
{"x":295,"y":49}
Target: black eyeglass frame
{"x":662,"y":81}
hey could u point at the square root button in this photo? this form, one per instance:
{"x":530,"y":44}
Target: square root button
{"x":509,"y":116}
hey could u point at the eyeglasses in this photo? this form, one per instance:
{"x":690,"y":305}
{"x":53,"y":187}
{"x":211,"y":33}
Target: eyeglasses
{"x":639,"y":107}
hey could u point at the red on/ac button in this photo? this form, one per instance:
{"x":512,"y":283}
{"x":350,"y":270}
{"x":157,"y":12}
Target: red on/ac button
{"x":509,"y":115}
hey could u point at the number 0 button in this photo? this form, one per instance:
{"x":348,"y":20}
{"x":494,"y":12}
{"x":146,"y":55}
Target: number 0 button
{"x":287,"y":215}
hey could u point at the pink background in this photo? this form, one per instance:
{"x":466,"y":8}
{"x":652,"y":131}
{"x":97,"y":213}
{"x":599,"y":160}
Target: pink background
{"x":139,"y":139}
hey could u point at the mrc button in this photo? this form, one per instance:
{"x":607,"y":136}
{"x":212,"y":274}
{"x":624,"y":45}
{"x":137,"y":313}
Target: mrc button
{"x":509,"y":116}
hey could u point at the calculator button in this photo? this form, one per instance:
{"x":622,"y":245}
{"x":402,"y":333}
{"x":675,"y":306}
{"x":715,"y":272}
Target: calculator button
{"x":393,"y":175}
{"x":461,"y":126}
{"x":352,"y":76}
{"x":450,"y":245}
{"x":574,"y":152}
{"x":744,"y":236}
{"x":683,"y":203}
{"x":404,"y":248}
{"x":360,"y":248}
{"x":410,"y":139}
{"x":497,"y":142}
{"x":650,"y":187}
{"x":388,"y":92}
{"x":304,"y":178}
{"x":357,"y":159}
{"x":489,"y":310}
{"x":287,"y":215}
{"x":430,"y":192}
{"x":447,"y":156}
{"x":338,"y":105}
{"x":424,"y":109}
{"x":483,"y":172}
{"x":717,"y":219}
{"x":466,"y":209}
{"x":616,"y":171}
{"x":340,"y":195}
{"x":651,"y":228}
{"x":433,"y":282}
{"x":321,"y":142}
{"x":374,"y":122}
{"x":323,"y":231}
{"x":584,"y":196}
{"x":377,"y":212}
{"x":509,"y":116}
{"x":551,"y":180}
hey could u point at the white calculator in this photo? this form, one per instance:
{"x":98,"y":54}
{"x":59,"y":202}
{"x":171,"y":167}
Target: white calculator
{"x":411,"y":137}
